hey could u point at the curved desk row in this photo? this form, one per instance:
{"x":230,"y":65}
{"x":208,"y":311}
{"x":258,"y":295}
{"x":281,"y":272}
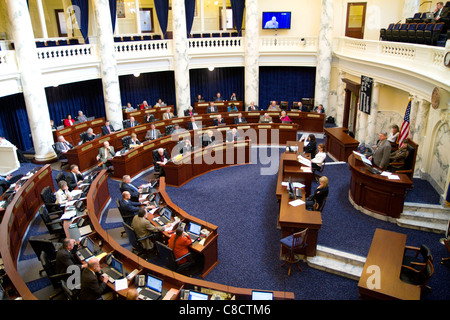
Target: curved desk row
{"x":139,"y":115}
{"x":72,"y":133}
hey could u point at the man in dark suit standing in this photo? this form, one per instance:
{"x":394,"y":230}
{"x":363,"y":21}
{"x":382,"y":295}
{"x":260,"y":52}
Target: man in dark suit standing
{"x":65,"y":256}
{"x":93,"y":284}
{"x":74,"y":177}
{"x":107,"y":128}
{"x":212,"y":108}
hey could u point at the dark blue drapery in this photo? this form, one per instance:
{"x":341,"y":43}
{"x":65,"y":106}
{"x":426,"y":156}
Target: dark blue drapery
{"x":190,"y":12}
{"x":237,"y":7}
{"x":162,"y":11}
{"x":223,"y":80}
{"x":83,"y":5}
{"x":14,"y":125}
{"x":113,"y":10}
{"x":286,"y":84}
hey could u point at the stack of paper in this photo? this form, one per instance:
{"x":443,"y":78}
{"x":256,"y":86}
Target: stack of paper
{"x":304,"y":161}
{"x":296,"y":203}
{"x":393,"y":177}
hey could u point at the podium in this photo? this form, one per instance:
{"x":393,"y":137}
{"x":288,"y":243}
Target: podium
{"x":9,"y":161}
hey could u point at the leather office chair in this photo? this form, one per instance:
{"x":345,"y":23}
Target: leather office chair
{"x":38,"y":245}
{"x":52,"y":222}
{"x":55,"y":278}
{"x":70,"y":294}
{"x":134,"y":240}
{"x":61,"y":157}
{"x":284,"y":105}
{"x":166,"y":254}
{"x":60,"y":176}
{"x":49,"y":200}
{"x":126,"y":142}
{"x":319,"y":207}
{"x":418,"y":278}
{"x":292,"y":243}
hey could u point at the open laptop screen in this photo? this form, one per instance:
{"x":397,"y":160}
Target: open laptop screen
{"x":262,"y":295}
{"x":116,"y":264}
{"x":194,"y":295}
{"x":195,"y":228}
{"x":154,"y":283}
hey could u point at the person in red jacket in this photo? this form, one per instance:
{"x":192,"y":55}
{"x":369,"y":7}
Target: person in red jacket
{"x":179,"y":242}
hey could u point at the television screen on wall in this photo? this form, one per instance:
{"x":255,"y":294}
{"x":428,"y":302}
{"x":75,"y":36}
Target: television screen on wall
{"x":276,"y":20}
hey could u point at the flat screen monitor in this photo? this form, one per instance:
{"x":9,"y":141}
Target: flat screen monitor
{"x":262,"y":295}
{"x":276,"y":20}
{"x":194,"y":295}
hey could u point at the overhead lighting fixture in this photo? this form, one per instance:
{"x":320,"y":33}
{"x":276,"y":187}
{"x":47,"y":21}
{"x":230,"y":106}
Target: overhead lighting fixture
{"x":136,"y":74}
{"x":211,"y":68}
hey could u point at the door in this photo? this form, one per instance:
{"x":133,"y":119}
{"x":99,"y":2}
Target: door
{"x":356,"y":17}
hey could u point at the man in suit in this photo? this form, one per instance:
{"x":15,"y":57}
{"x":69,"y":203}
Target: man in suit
{"x":320,"y":109}
{"x":440,"y":12}
{"x":126,"y":185}
{"x":218,"y":120}
{"x":105,"y":154}
{"x":265,"y":118}
{"x":160,"y":158}
{"x":107,"y":128}
{"x":189,"y":112}
{"x":149,"y":118}
{"x":74,"y":177}
{"x":132,"y":123}
{"x":199,"y":98}
{"x":233,"y":135}
{"x":212,"y":108}
{"x":62,"y":146}
{"x":208,"y":138}
{"x":252,"y":107}
{"x":168,"y":115}
{"x":65,"y":256}
{"x":128,"y":207}
{"x":218,"y":97}
{"x":239,"y":119}
{"x":81,"y":117}
{"x":382,"y":151}
{"x":192,"y":125}
{"x":143,"y":228}
{"x":160,"y":103}
{"x":274,"y":107}
{"x":93,"y":283}
{"x":233,"y":97}
{"x":153,"y":133}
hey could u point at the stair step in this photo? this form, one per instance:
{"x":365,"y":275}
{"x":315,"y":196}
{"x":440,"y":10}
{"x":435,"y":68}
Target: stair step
{"x":429,"y":216}
{"x":422,"y":225}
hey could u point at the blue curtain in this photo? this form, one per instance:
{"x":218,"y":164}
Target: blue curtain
{"x":84,"y":17}
{"x":162,"y":11}
{"x":286,"y":84}
{"x":14,"y":125}
{"x":190,"y":12}
{"x":223,"y":80}
{"x":237,"y":7}
{"x":113,"y":10}
{"x":149,"y":87}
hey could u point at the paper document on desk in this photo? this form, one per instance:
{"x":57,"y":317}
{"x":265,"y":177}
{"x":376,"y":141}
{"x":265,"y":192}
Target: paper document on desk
{"x":304,"y":161}
{"x":393,"y":177}
{"x":386,"y":173}
{"x":298,"y":185}
{"x":296,"y":203}
{"x":73,"y":193}
{"x":306,"y":169}
{"x":285,"y":183}
{"x":68,"y":215}
{"x":121,"y":284}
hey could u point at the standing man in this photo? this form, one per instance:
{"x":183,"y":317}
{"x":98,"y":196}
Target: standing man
{"x":382,"y":152}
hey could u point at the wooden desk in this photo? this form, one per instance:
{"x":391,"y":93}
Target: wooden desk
{"x":339,"y":144}
{"x":386,"y":253}
{"x":72,"y":133}
{"x":299,"y":176}
{"x":375,"y":193}
{"x":139,"y":115}
{"x":222,"y":106}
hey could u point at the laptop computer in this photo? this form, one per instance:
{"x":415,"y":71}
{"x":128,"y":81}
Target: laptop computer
{"x":150,"y":188}
{"x":114,"y":270}
{"x":154,"y":200}
{"x":194,"y":231}
{"x":165,"y":216}
{"x":153,"y":289}
{"x":262,"y":295}
{"x":195,"y":295}
{"x":372,"y":169}
{"x":88,"y":249}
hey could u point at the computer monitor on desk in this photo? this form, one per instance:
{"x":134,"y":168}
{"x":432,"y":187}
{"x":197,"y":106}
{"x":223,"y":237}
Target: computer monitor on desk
{"x":194,"y":295}
{"x":262,"y":295}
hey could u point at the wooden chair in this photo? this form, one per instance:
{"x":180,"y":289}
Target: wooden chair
{"x":317,"y":176}
{"x":320,"y":207}
{"x":294,"y":242}
{"x":284,"y":105}
{"x":447,"y":245}
{"x":418,"y":277}
{"x":417,"y":260}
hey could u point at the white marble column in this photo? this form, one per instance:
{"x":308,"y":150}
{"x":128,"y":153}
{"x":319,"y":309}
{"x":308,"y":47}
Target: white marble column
{"x":324,"y":55}
{"x":371,"y":135}
{"x":340,"y":99}
{"x":180,"y":55}
{"x":108,"y":65}
{"x":420,"y":132}
{"x":413,"y":115}
{"x":138,"y":16}
{"x":31,"y":79}
{"x":251,"y":52}
{"x":362,"y":124}
{"x":42,"y":19}
{"x":410,"y":7}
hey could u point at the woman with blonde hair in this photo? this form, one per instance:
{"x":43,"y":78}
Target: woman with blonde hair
{"x":321,"y":193}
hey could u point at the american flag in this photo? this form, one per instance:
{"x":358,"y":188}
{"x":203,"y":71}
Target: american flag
{"x":404,"y":131}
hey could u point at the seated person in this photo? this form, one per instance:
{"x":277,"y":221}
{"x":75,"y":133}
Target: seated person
{"x":232,"y":108}
{"x":74,"y":177}
{"x":265,"y":118}
{"x":129,"y":108}
{"x":68,"y":121}
{"x":398,"y":157}
{"x":107,"y":128}
{"x":62,"y":146}
{"x":134,"y":141}
{"x":319,"y":195}
{"x":65,"y":256}
{"x":81,"y":117}
{"x":218,"y":120}
{"x":63,"y":194}
{"x":234,"y":97}
{"x":218,"y":97}
{"x":132,"y":123}
{"x":393,"y":135}
{"x":177,"y":129}
{"x":199,"y":98}
{"x":149,"y":118}
{"x":160,"y":103}
{"x":273,"y":106}
{"x":126,"y":185}
{"x":152,"y":133}
{"x":185,"y":147}
{"x":208,"y":138}
{"x":239,"y":119}
{"x":310,"y":145}
{"x":167,"y":115}
{"x":144,"y":105}
{"x":89,"y":136}
{"x":160,"y":158}
{"x":301,"y":107}
{"x":212,"y":108}
{"x":143,"y":228}
{"x":252,"y":107}
{"x":319,"y":158}
{"x":189,"y":112}
{"x":284,"y":118}
{"x":193,"y":125}
{"x":381,"y":152}
{"x":105,"y":154}
{"x":179,"y":242}
{"x":93,"y":283}
{"x":7,"y":181}
{"x":233,"y":135}
{"x":129,"y":207}
{"x":320,"y":109}
{"x":52,"y":125}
